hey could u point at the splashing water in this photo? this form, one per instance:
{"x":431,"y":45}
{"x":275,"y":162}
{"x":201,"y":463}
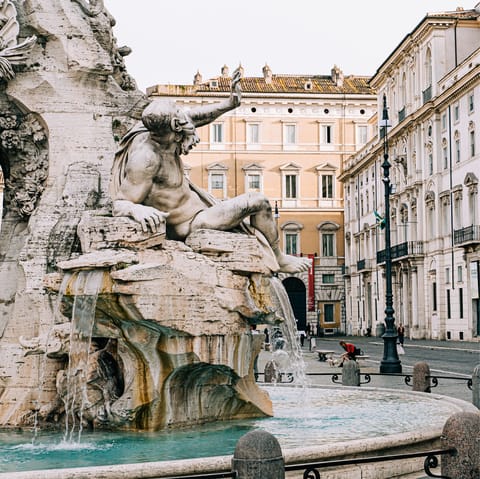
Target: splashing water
{"x":287,"y":354}
{"x":85,"y":289}
{"x":59,"y":318}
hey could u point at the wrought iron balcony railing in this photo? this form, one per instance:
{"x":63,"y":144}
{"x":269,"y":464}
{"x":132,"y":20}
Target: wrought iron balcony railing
{"x":467,"y":236}
{"x":363,"y":265}
{"x":408,"y":248}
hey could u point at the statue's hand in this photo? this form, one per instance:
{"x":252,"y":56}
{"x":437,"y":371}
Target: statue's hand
{"x":236,"y":95}
{"x":148,"y":217}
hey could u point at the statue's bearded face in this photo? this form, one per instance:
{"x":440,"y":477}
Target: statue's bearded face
{"x":187,"y":136}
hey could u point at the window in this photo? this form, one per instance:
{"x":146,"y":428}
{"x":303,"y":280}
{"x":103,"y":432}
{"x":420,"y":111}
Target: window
{"x":217,"y":181}
{"x":291,"y":186}
{"x":328,"y":313}
{"x":291,"y":243}
{"x":449,"y":306}
{"x":447,"y":275}
{"x":460,"y":274}
{"x":253,"y":182}
{"x":217,"y":133}
{"x":460,"y":301}
{"x":434,"y":296}
{"x":328,"y":243}
{"x":328,"y":278}
{"x":253,"y":133}
{"x":430,"y":163}
{"x":456,"y":112}
{"x":444,"y":121}
{"x":428,"y":68}
{"x":471,"y":102}
{"x":457,"y":211}
{"x":445,"y":157}
{"x":327,"y":186}
{"x":290,"y":134}
{"x":472,"y":143}
{"x":326,"y":134}
{"x":457,"y":150}
{"x":362,"y":134}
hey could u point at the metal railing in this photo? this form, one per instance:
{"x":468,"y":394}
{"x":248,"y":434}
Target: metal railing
{"x":470,"y":234}
{"x":335,"y":377}
{"x":311,"y":470}
{"x":408,"y":248}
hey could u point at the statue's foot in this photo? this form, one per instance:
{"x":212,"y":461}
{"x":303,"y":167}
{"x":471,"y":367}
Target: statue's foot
{"x":293,"y":264}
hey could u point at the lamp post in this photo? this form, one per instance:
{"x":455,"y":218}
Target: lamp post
{"x":390,"y":362}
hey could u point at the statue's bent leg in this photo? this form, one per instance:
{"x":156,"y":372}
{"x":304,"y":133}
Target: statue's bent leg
{"x":230,"y":213}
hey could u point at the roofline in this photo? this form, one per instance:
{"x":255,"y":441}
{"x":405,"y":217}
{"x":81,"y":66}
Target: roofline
{"x":429,"y":16}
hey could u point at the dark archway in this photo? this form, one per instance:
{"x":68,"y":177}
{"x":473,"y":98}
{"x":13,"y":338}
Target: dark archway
{"x":297,"y":294}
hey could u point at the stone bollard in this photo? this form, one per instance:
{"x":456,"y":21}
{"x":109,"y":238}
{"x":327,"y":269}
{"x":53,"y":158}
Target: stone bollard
{"x":271,"y":373}
{"x":421,"y":379}
{"x":258,"y":455}
{"x":462,"y":431}
{"x":476,"y":386}
{"x":350,"y":373}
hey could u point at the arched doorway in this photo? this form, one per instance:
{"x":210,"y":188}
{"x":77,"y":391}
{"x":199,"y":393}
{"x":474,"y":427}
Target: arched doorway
{"x":297,"y":294}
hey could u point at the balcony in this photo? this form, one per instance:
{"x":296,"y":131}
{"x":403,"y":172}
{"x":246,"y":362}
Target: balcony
{"x":467,"y":236}
{"x":402,"y":250}
{"x":427,"y":94}
{"x":364,"y":265}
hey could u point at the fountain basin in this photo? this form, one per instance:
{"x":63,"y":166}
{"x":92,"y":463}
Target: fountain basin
{"x":312,"y":424}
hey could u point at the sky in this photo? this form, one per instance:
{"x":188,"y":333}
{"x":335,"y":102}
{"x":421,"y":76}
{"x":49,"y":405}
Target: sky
{"x":173,"y":39}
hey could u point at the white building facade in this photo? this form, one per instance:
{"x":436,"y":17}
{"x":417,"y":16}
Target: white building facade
{"x":431,"y":83}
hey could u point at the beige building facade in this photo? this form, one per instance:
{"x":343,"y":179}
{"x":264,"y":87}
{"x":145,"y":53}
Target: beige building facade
{"x":288,"y":140}
{"x":431,"y":83}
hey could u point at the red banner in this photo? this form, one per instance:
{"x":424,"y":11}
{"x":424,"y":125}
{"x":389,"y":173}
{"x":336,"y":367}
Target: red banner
{"x":311,"y":284}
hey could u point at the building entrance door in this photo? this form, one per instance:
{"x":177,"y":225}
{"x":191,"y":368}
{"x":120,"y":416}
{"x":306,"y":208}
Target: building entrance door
{"x":297,"y":294}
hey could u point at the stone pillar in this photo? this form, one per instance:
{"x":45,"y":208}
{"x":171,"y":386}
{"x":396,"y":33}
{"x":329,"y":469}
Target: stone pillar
{"x":406,"y":320}
{"x":350,"y":373}
{"x":258,"y":455}
{"x":271,"y":373}
{"x":462,"y":431}
{"x":420,"y":380}
{"x":476,"y":386}
{"x":414,"y":319}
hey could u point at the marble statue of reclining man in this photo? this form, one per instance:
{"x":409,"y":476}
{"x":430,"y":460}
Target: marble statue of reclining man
{"x":149,"y":185}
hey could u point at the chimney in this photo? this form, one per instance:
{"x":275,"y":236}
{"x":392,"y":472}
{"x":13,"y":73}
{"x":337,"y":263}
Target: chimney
{"x":197,"y":79}
{"x":225,"y":72}
{"x":337,"y":76}
{"x":267,"y":74}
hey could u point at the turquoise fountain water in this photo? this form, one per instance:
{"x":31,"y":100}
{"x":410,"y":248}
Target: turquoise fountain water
{"x":312,"y":416}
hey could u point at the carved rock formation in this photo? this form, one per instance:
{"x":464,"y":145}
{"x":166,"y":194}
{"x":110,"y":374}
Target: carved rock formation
{"x":173,"y":325}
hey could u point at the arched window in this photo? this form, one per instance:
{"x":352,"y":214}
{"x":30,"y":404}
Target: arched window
{"x":428,"y":68}
{"x":291,"y":237}
{"x":428,"y":74}
{"x":328,"y":238}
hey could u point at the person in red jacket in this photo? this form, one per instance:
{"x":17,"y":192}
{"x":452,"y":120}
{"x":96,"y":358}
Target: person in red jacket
{"x":351,"y":351}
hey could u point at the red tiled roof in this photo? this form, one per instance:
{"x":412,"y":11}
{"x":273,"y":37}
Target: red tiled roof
{"x":291,"y":84}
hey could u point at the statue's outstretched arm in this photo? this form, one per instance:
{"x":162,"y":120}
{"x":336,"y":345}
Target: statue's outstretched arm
{"x":207,"y":113}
